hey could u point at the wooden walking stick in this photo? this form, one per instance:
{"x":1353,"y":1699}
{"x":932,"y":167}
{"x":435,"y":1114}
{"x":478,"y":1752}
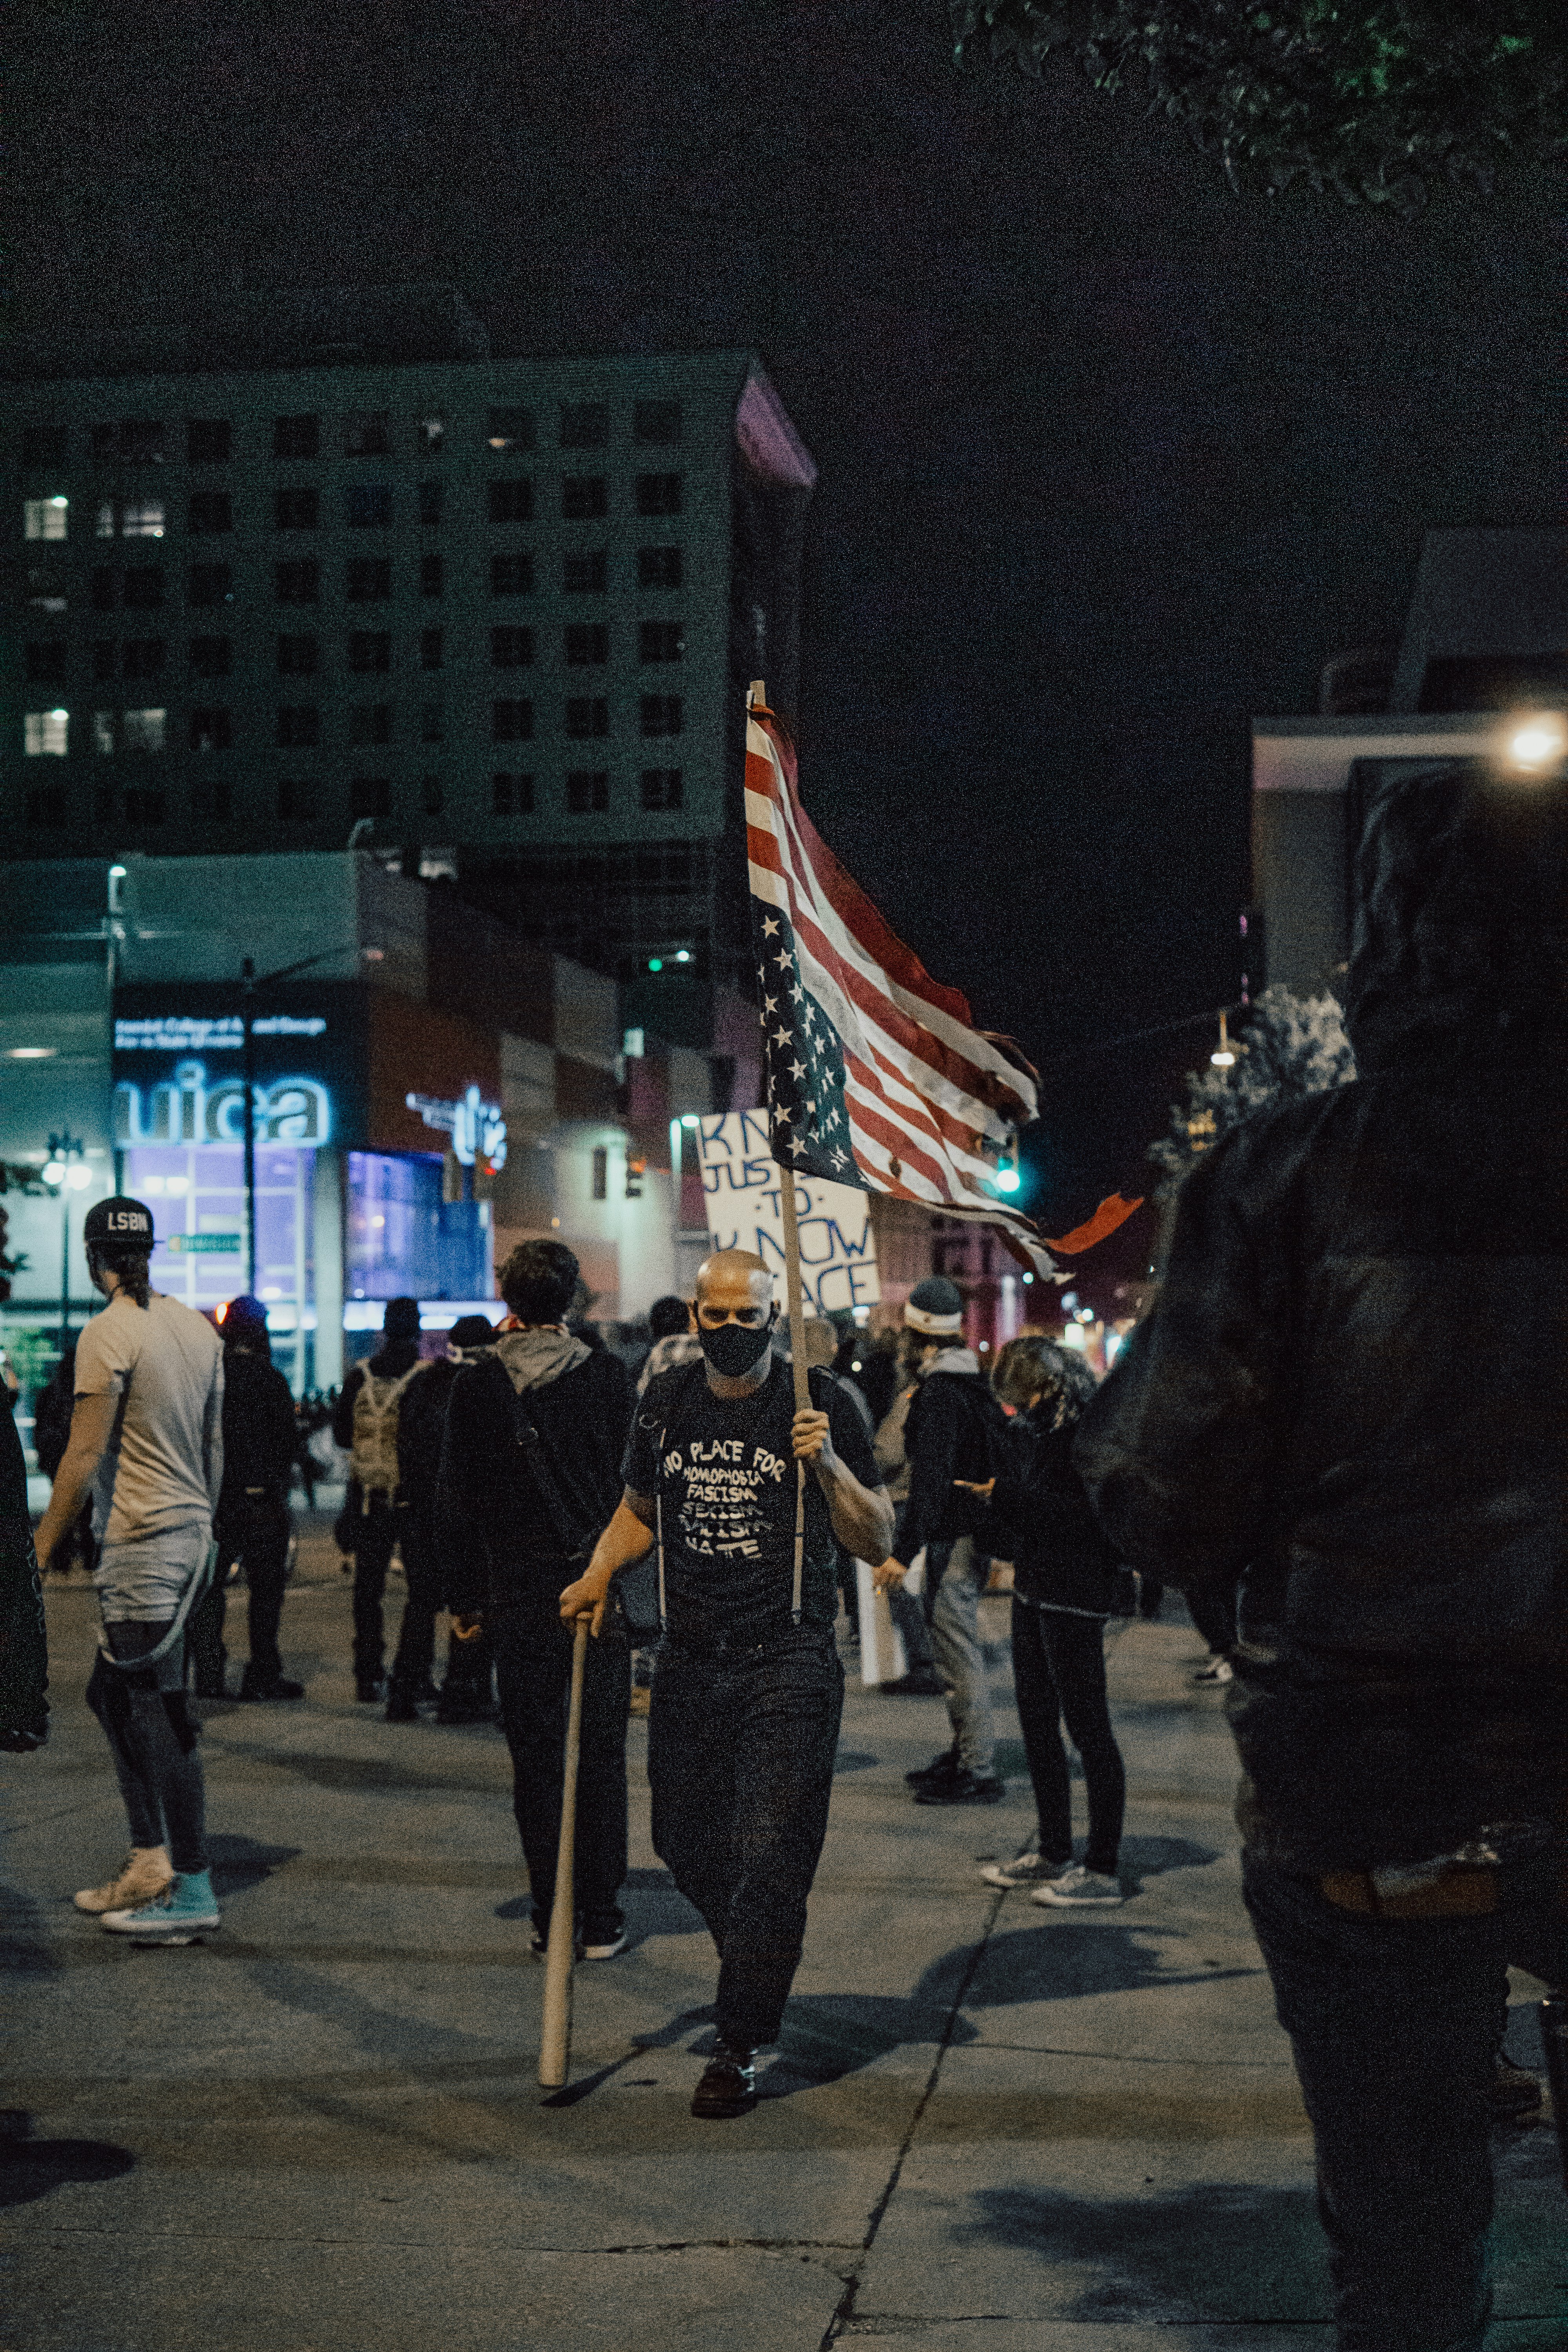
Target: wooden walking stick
{"x":556,"y":2037}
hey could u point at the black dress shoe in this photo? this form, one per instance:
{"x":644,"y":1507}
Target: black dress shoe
{"x":369,"y":1689}
{"x":964,"y":1787}
{"x":941,"y":1767}
{"x":400,"y":1706}
{"x":729,"y":2086}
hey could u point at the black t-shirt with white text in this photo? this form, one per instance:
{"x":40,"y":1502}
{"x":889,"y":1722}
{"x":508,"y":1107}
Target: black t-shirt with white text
{"x":726,"y":1481}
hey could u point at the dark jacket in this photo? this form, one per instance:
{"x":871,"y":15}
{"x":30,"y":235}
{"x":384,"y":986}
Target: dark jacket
{"x":24,"y":1653}
{"x":1353,"y":1392}
{"x":498,"y":1538}
{"x":259,"y":1435}
{"x":947,"y":1435}
{"x":1060,"y":1557}
{"x":421,"y":1431}
{"x":52,"y":1410}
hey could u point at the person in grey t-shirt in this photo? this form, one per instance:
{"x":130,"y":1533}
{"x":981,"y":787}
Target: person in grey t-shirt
{"x":146,"y":1440}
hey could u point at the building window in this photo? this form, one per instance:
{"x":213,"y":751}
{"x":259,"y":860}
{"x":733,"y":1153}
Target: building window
{"x":211,"y":731}
{"x":587,"y":714}
{"x":147,"y":731}
{"x":367,"y":506}
{"x":370,"y":649}
{"x":369,"y":796}
{"x":661,"y":641}
{"x":432,"y":648}
{"x":588,"y":789}
{"x":213,"y":583}
{"x":299,"y":726}
{"x":43,"y":444}
{"x":297,"y":657}
{"x":432,"y":726}
{"x":584,"y":425}
{"x":46,"y":518}
{"x":587,"y":642}
{"x":585,"y":575}
{"x":208,"y":441}
{"x":143,"y":657}
{"x":43,"y":734}
{"x":430,"y":436}
{"x":511,"y":501}
{"x":145,"y":805}
{"x":137,"y":440}
{"x":601,"y":1172}
{"x":296,"y":437}
{"x":430,"y":494}
{"x":510,"y":428}
{"x":512,"y":722}
{"x":102,"y":588}
{"x":213,"y":800}
{"x":512,"y":575}
{"x":145,"y":519}
{"x":370,"y":722}
{"x":512,"y":795}
{"x":661,"y":788}
{"x":431,"y":576}
{"x":510,"y":648}
{"x":104,"y":803}
{"x":661,"y":714}
{"x":299,"y":583}
{"x":659,"y":494}
{"x":103,"y":731}
{"x":211,"y":656}
{"x":369,"y":579}
{"x":584,"y":498}
{"x":432,"y":795}
{"x":210,"y":511}
{"x":298,"y":509}
{"x":47,"y":662}
{"x":103,"y":654}
{"x":103,"y":522}
{"x":367,"y":433}
{"x":297,"y":799}
{"x":655,"y":420}
{"x":46,"y":808}
{"x":142,"y":587}
{"x":658,"y":567}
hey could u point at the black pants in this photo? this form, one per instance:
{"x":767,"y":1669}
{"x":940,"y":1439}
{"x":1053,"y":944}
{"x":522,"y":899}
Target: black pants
{"x":255,"y":1530}
{"x":740,"y":1759}
{"x":1058,"y":1675}
{"x":1214,"y":1619}
{"x":533,"y":1675}
{"x":153,"y":1743}
{"x":375,"y":1534}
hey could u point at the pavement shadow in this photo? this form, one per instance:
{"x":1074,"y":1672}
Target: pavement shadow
{"x":31,"y":2169}
{"x":26,"y":1947}
{"x":653,"y":1904}
{"x":1149,"y":1857}
{"x":853,"y":1759}
{"x":240,"y":1863}
{"x":1209,"y":2250}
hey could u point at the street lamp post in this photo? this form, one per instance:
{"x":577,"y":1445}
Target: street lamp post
{"x":68,"y":1169}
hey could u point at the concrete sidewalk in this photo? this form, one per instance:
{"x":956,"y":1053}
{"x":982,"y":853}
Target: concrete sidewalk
{"x":990,"y":2127}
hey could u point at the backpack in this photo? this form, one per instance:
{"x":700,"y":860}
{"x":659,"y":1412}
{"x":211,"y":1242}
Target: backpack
{"x":373,"y":1457}
{"x":985,"y":1447}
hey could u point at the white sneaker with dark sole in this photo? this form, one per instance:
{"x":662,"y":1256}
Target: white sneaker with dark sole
{"x":1024,"y":1870}
{"x":1218,"y":1670}
{"x":185,"y":1912}
{"x":1076,"y":1887}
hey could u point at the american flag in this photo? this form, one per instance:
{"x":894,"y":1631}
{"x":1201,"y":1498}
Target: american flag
{"x":876,"y":1073}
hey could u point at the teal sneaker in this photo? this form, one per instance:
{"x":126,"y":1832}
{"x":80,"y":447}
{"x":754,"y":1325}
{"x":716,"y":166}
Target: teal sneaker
{"x":185,"y":1912}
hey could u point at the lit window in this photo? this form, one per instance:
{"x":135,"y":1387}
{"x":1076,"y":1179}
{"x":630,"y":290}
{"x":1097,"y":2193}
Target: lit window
{"x":103,"y":731}
{"x":144,"y":730}
{"x":44,"y":731}
{"x":46,"y":518}
{"x":144,"y":520}
{"x":103,"y":521}
{"x":510,"y":428}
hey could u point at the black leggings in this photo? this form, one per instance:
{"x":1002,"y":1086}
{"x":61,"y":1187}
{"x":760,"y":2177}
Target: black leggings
{"x":153,"y":1743}
{"x":1058,"y":1675}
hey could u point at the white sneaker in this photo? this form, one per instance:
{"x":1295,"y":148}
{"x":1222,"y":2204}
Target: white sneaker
{"x":1079,"y":1885}
{"x":1218,"y":1670}
{"x":1024,"y":1870}
{"x":606,"y":1951}
{"x":147,"y":1869}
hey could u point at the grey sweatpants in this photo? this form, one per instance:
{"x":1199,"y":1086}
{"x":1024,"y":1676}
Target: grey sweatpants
{"x":960,"y":1658}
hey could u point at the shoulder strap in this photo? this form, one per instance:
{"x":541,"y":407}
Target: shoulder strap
{"x":542,"y":1470}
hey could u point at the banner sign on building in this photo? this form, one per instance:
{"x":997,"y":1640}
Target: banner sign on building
{"x":740,"y":1180}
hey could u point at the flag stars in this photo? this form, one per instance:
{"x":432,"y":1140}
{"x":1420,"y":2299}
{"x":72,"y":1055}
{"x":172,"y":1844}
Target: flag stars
{"x":770,"y":926}
{"x":785,"y":960}
{"x":798,"y":1069}
{"x":783,"y":1036}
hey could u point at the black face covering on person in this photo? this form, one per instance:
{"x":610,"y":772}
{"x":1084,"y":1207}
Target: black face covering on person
{"x":735,"y":1348}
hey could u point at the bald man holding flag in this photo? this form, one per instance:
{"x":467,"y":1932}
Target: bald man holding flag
{"x":744,"y":1718}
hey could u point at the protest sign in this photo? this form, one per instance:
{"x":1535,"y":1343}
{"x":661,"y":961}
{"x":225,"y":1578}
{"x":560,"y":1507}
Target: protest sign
{"x":745,"y":1211}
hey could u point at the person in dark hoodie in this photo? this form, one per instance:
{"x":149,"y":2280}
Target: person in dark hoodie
{"x":421,"y":1434}
{"x":530,"y":1475}
{"x":259,"y":1441}
{"x":1064,"y":1589}
{"x":52,"y":1411}
{"x":1349,"y":1402}
{"x":377,"y":1518}
{"x":24,"y":1645}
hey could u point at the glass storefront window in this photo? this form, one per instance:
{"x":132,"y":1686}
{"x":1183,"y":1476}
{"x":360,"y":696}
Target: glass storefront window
{"x":197,"y":1194}
{"x":403,"y":1240}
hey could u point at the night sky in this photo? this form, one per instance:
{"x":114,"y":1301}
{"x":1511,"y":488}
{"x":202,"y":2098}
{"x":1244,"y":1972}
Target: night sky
{"x":1112,"y":459}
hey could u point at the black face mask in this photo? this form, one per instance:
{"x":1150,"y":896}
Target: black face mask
{"x":735,"y":1348}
